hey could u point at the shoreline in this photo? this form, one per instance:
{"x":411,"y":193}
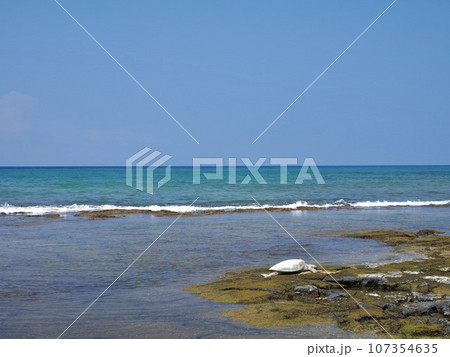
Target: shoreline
{"x":408,"y":299}
{"x":198,"y":211}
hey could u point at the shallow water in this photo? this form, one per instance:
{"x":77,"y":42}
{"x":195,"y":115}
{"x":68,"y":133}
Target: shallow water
{"x":52,"y":269}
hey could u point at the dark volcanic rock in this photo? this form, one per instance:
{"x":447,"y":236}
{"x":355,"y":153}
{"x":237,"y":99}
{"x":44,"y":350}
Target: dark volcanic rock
{"x":427,"y":307}
{"x":352,"y":281}
{"x":388,"y":307}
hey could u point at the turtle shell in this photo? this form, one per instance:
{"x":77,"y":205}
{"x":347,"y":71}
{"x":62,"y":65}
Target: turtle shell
{"x":289,"y":266}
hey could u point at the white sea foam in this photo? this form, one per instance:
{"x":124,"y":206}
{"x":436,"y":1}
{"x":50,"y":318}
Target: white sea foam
{"x":400,"y":203}
{"x":74,"y":208}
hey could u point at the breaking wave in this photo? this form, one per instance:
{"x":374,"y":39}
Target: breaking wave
{"x":7,"y":209}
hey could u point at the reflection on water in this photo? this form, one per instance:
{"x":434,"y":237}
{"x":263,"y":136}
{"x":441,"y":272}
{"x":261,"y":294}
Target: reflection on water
{"x":52,"y":269}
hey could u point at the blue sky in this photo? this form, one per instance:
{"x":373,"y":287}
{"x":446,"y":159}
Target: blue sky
{"x":225,"y":70}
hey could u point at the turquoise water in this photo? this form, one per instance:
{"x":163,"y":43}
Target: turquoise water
{"x":345,"y":186}
{"x":52,"y":269}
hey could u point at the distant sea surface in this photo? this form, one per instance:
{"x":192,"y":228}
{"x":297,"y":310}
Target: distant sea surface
{"x":67,"y":190}
{"x":52,"y":269}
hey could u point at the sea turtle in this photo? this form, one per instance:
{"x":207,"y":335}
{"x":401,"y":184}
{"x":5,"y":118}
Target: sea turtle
{"x":290,"y":266}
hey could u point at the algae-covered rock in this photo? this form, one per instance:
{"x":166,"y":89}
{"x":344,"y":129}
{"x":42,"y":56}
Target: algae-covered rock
{"x":412,"y":330}
{"x":424,"y":287}
{"x":398,"y":298}
{"x":367,"y":281}
{"x":428,"y":232}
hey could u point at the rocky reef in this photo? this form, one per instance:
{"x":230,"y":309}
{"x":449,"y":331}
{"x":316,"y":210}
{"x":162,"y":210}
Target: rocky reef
{"x":408,"y":299}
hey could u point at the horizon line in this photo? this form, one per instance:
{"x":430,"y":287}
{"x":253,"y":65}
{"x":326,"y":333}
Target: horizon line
{"x":212,"y":165}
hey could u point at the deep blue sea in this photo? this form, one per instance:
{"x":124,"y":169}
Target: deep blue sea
{"x":51,"y":269}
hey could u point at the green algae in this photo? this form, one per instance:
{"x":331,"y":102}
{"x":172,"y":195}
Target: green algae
{"x":419,"y":330}
{"x":281,"y":314}
{"x":274,"y":302}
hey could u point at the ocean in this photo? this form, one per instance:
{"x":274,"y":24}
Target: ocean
{"x":53,"y":268}
{"x":71,"y":189}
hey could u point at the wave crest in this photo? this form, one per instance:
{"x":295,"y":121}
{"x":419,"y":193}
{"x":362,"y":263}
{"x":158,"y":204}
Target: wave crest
{"x":7,"y":209}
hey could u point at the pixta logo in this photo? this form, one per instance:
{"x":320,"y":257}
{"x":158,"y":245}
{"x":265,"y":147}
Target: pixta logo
{"x":144,"y":165}
{"x":253,"y":170}
{"x":145,"y":162}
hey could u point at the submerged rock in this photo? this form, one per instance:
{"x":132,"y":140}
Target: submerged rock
{"x":336,"y":295}
{"x":428,"y":232}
